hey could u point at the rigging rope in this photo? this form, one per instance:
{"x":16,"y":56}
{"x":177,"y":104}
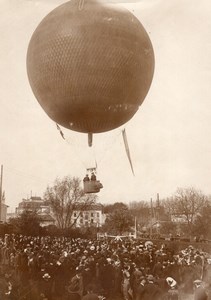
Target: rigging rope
{"x":81,"y":4}
{"x":107,"y":145}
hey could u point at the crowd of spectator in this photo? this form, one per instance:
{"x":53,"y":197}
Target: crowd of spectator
{"x":35,"y":268}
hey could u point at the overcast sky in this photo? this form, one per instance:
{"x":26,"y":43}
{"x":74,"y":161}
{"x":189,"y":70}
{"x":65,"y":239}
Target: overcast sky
{"x":169,"y":137}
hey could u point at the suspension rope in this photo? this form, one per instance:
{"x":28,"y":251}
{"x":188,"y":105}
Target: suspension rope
{"x":102,"y":154}
{"x":81,"y":4}
{"x":70,"y":141}
{"x":108,"y":145}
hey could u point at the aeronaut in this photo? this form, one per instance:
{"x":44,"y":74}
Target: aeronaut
{"x":93,"y":177}
{"x":86,"y":178}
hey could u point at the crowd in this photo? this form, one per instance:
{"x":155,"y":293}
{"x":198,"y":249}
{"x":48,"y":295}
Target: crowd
{"x":47,"y":268}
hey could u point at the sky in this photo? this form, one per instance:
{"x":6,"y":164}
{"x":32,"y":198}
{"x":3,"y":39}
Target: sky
{"x":169,"y":137}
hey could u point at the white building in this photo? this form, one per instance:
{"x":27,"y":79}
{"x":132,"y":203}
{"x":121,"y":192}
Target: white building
{"x":91,"y":216}
{"x":3,"y":208}
{"x":179,"y":218}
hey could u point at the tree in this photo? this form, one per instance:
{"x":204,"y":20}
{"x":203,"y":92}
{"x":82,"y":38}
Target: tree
{"x":119,"y":221}
{"x":187,"y":202}
{"x":65,"y":197}
{"x":141,"y":210}
{"x":168,"y":227}
{"x":109,"y":208}
{"x":138,"y":205}
{"x":15,"y":223}
{"x":202,"y":223}
{"x":28,"y":223}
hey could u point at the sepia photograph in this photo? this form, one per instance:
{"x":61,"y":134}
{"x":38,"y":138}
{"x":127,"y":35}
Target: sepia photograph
{"x":105,"y":150}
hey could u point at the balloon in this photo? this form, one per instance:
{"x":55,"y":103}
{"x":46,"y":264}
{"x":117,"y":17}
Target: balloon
{"x":90,"y":67}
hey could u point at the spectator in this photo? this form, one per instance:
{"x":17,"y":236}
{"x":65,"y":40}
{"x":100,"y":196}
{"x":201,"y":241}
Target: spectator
{"x":199,"y":292}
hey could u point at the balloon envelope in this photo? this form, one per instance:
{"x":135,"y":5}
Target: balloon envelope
{"x":90,"y":68}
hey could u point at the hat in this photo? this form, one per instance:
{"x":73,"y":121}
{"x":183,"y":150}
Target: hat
{"x":142,"y":278}
{"x":197,"y":281}
{"x":46,"y":276}
{"x":171,"y":282}
{"x":150,"y":277}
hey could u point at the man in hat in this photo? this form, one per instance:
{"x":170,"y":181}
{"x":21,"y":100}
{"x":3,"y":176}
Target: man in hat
{"x":91,"y":295}
{"x":135,"y":280}
{"x":46,"y":286}
{"x":93,"y":177}
{"x":140,"y":290}
{"x":86,"y":178}
{"x":172,"y":293}
{"x":151,"y":290}
{"x":126,"y":287}
{"x":76,"y":284}
{"x":199,"y":292}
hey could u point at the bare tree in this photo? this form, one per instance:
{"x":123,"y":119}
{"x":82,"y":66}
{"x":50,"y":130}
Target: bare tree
{"x":119,"y":221}
{"x":202,"y":228}
{"x":141,"y":210}
{"x":187,"y":202}
{"x":65,"y":197}
{"x":138,"y":205}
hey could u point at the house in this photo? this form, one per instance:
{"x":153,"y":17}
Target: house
{"x":46,"y":220}
{"x":179,"y":218}
{"x":32,"y":204}
{"x":3,"y":208}
{"x":38,"y":205}
{"x":3,"y":215}
{"x":91,"y":216}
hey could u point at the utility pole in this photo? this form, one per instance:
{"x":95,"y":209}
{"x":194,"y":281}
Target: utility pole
{"x":158,"y":213}
{"x":158,"y":200}
{"x":135,"y":231}
{"x":1,"y":182}
{"x":151,"y":214}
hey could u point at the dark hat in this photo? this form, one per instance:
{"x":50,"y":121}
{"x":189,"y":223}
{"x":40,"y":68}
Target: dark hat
{"x":150,"y":277}
{"x":142,"y":278}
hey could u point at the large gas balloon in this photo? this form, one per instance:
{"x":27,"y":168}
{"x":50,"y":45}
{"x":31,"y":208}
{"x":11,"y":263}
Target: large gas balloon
{"x":90,"y":67}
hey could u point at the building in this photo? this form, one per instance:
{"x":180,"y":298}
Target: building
{"x":38,"y":205}
{"x":33,"y":204}
{"x":91,"y":216}
{"x":11,"y":215}
{"x":179,"y":218}
{"x":3,"y":216}
{"x":46,"y":220}
{"x":3,"y":209}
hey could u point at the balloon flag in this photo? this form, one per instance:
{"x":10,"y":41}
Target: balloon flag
{"x":90,"y":68}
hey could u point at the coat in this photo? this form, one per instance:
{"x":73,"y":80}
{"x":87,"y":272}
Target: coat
{"x":200,"y":294}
